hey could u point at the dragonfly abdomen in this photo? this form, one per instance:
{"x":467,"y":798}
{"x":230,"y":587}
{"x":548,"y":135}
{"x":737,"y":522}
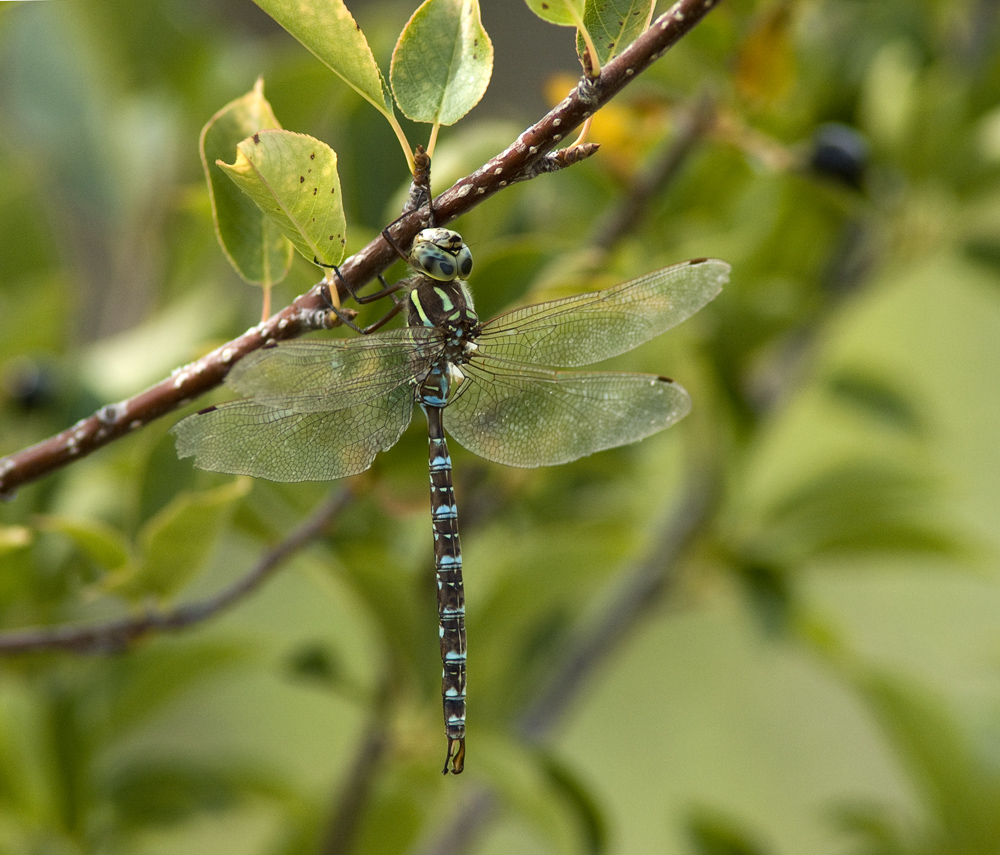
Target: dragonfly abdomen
{"x":451,"y":596}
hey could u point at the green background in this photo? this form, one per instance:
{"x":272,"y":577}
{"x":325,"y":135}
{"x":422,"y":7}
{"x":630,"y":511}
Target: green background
{"x":821,"y":672}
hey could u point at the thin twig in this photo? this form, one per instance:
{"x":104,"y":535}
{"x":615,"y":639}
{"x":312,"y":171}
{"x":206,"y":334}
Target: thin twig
{"x":475,"y":810}
{"x":116,"y":635}
{"x":357,"y":785}
{"x":307,"y":312}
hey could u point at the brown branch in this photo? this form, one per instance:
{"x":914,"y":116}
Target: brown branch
{"x":118,"y":634}
{"x":527,"y":156}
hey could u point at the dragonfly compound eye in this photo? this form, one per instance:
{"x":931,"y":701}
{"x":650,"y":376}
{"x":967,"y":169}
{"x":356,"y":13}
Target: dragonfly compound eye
{"x":441,"y":254}
{"x":464,"y":260}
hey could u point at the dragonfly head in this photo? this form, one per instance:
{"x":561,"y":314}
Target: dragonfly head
{"x":441,"y":254}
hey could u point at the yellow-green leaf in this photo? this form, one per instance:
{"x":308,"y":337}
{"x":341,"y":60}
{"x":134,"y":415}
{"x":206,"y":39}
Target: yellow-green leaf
{"x":329,"y":30}
{"x":765,"y":68}
{"x":252,"y":242}
{"x":293,"y":179}
{"x":564,"y":13}
{"x":613,"y":25}
{"x":442,"y":62}
{"x":101,"y":543}
{"x":14,"y":537}
{"x":174,"y":544}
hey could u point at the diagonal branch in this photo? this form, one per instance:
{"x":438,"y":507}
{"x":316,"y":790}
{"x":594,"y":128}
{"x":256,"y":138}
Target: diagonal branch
{"x":529,"y":155}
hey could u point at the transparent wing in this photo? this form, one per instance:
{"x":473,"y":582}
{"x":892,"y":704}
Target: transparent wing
{"x":283,"y":444}
{"x":317,"y":376}
{"x":543,"y":418}
{"x":590,"y":327}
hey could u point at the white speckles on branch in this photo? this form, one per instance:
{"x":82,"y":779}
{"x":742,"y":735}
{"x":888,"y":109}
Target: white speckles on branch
{"x":111,"y":414}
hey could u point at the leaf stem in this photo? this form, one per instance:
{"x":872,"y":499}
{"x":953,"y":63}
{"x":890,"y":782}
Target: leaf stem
{"x":432,"y":139}
{"x":403,"y":141}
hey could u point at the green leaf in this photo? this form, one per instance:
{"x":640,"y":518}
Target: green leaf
{"x":877,"y":398}
{"x":538,"y":797}
{"x":442,"y":62}
{"x":877,"y":827}
{"x":100,"y":542}
{"x":252,"y":242}
{"x":329,"y":30}
{"x":175,"y":543}
{"x":162,"y":793}
{"x":563,"y":13}
{"x":14,"y":537}
{"x":859,"y":506}
{"x":157,"y":676}
{"x":613,"y":25}
{"x":713,"y":833}
{"x":958,"y":788}
{"x":293,"y":179}
{"x":581,"y":804}
{"x":154,"y":793}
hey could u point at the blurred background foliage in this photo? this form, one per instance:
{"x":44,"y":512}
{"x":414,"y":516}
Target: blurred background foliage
{"x":819,"y":672}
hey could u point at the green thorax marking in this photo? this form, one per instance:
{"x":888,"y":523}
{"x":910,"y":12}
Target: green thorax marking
{"x":443,"y":305}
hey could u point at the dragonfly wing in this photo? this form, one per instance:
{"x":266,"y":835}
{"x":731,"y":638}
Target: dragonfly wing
{"x":544,"y":418}
{"x":590,"y":327}
{"x":252,"y":437}
{"x":318,"y":376}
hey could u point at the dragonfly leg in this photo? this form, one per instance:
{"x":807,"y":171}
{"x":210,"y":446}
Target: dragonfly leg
{"x":389,"y":239}
{"x":388,"y":316}
{"x":361,"y":299}
{"x":324,"y":292}
{"x":388,"y":290}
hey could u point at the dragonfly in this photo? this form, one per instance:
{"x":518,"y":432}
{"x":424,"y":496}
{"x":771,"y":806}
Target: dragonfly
{"x":321,"y":410}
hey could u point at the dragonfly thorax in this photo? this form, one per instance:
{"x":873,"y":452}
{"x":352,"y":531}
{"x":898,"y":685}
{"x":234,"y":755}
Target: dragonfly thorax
{"x":445,"y":306}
